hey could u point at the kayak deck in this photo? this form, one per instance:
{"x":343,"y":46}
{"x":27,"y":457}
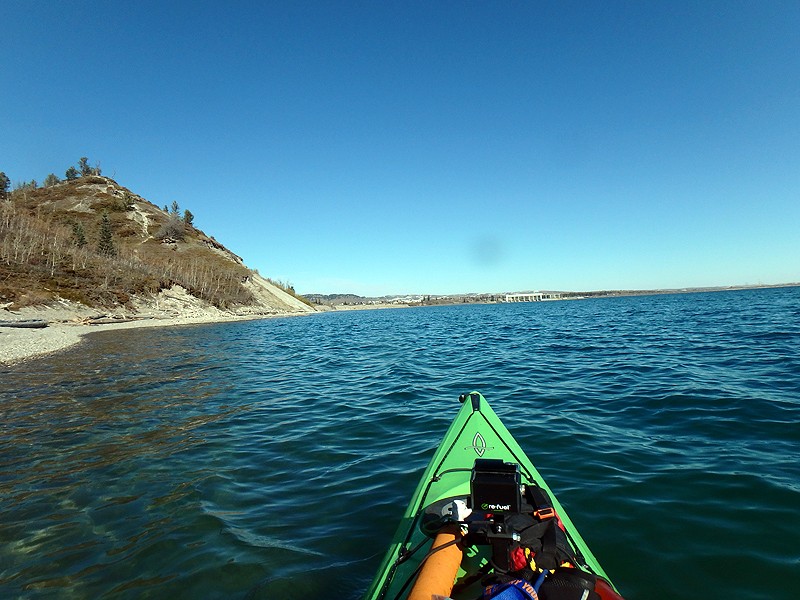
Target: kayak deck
{"x":476,"y":432}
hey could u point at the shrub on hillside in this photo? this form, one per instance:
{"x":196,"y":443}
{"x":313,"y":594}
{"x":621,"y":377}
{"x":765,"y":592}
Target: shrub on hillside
{"x":51,"y":180}
{"x":173,"y":229}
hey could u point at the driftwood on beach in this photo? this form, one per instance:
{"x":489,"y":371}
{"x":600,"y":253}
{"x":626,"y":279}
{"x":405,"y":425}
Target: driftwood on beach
{"x":26,"y":324}
{"x":106,"y":320}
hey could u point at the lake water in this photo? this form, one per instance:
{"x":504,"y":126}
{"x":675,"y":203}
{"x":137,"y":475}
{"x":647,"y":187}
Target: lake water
{"x":273,"y":459}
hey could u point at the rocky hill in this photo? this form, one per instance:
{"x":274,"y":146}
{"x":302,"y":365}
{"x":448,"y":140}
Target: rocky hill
{"x":90,"y":242}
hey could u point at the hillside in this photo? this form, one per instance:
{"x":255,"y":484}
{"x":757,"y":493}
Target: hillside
{"x":91,"y":243}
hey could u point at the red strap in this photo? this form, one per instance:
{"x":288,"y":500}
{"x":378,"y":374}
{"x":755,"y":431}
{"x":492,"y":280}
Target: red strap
{"x":518,"y":559}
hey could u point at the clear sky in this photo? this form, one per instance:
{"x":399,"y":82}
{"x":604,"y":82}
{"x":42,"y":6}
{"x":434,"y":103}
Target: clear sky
{"x":432,"y":147}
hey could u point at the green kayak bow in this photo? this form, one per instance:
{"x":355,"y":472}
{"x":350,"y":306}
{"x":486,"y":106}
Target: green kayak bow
{"x":476,"y":433}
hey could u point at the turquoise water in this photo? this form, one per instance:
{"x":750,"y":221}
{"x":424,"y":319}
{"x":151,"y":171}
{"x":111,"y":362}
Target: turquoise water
{"x":273,"y":459}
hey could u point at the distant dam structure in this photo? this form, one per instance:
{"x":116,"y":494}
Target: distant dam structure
{"x":532,"y":297}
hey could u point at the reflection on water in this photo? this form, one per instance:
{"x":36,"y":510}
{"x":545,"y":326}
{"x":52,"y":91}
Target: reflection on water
{"x":274,"y":458}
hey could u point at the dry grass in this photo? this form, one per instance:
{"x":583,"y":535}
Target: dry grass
{"x":289,"y":289}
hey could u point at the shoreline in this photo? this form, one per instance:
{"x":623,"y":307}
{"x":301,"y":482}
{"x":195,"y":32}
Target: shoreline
{"x":67,"y":323}
{"x":21,"y":344}
{"x":67,"y":327}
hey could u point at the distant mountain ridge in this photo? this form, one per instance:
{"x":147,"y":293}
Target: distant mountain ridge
{"x":94,"y":242}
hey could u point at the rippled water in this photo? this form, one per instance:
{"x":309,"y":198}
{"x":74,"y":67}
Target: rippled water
{"x":273,"y":459}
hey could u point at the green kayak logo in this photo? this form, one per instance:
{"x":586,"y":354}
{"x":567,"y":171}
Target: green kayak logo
{"x":479,"y":444}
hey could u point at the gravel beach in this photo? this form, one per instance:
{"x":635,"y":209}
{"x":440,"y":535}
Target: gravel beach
{"x":18,"y":344}
{"x":68,"y":322}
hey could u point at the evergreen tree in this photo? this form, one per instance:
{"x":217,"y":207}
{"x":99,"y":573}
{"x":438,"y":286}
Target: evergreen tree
{"x":78,"y":234}
{"x":5,"y":183}
{"x":188,"y":217}
{"x":51,"y":180}
{"x":106,"y":244}
{"x":72,"y":173}
{"x":175,"y":208}
{"x":83,"y":166}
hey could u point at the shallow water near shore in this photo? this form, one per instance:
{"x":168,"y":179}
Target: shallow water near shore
{"x":273,"y":459}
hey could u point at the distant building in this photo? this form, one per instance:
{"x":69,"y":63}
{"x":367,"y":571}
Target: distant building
{"x":532,"y":297}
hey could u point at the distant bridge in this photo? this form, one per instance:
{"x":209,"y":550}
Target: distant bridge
{"x":532,"y":297}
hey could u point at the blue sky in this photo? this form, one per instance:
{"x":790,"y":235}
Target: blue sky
{"x":432,"y":147}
